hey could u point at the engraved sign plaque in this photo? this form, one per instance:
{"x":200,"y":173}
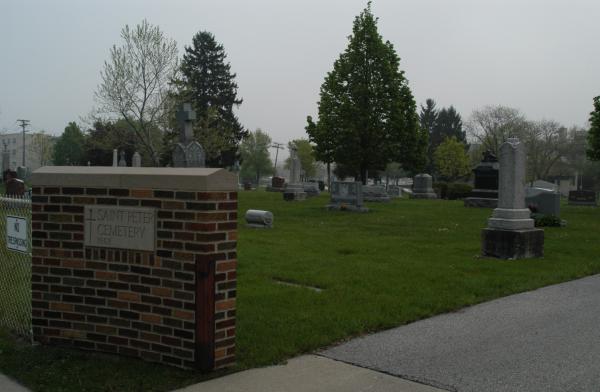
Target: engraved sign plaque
{"x":120,"y":227}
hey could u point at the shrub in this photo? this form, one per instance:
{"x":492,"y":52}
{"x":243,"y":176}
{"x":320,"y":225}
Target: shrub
{"x":441,"y":189}
{"x":542,"y":220}
{"x":458,"y":191}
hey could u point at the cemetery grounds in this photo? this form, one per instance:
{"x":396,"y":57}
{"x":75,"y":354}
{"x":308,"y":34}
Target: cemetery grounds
{"x":320,"y":277}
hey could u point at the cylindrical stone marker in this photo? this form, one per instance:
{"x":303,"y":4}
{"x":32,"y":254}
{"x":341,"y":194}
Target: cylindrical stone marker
{"x":259,"y":218}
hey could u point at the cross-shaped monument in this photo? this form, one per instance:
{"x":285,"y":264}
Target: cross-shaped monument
{"x":188,"y":152}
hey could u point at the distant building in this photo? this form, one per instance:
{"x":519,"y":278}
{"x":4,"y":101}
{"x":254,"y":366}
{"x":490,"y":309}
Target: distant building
{"x":13,"y":142}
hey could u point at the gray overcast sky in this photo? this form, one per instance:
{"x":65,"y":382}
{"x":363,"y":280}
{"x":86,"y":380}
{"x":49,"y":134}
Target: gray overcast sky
{"x":539,"y":56}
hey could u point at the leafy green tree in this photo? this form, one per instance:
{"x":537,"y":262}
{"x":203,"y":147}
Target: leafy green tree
{"x":256,"y":161}
{"x":208,"y":83}
{"x":136,"y":82}
{"x":306,"y":155}
{"x":366,"y":107}
{"x":324,"y":145}
{"x":68,"y":149}
{"x":451,"y":159}
{"x":593,"y":152}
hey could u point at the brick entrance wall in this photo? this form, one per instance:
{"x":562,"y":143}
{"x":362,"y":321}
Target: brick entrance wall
{"x":174,"y":305}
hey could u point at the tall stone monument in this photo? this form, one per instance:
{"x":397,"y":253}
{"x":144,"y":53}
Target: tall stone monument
{"x":188,"y":152}
{"x":294,"y":190}
{"x":115,"y":158}
{"x":511,"y":233}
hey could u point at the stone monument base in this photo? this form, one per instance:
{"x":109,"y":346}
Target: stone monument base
{"x":429,"y":195}
{"x":275,"y":189}
{"x":294,"y":192}
{"x":512,"y":244}
{"x":480,"y":202}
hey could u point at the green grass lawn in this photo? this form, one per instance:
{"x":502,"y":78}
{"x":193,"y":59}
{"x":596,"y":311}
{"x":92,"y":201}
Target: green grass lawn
{"x":403,"y":261}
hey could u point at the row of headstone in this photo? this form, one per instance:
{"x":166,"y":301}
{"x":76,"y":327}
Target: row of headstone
{"x":351,"y":195}
{"x":136,"y":159}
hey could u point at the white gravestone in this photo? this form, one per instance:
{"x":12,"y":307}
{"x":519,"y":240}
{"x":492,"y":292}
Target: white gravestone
{"x":136,"y":161}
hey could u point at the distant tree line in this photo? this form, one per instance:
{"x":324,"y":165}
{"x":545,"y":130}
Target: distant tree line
{"x":367,"y":124}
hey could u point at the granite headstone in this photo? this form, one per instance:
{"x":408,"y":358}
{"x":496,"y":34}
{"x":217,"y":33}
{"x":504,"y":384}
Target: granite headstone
{"x":510,"y":233}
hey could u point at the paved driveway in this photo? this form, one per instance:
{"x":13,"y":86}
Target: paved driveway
{"x":544,"y":340}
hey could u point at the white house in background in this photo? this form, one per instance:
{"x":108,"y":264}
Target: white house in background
{"x":13,"y":142}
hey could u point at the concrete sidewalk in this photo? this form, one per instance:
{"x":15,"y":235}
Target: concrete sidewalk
{"x":309,"y":373}
{"x":8,"y":385}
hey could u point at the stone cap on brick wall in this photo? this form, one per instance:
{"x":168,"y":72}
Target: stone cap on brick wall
{"x":194,"y":179}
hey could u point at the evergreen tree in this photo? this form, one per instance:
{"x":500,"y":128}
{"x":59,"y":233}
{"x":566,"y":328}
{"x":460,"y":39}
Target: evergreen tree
{"x":448,"y":124}
{"x":593,"y":151}
{"x":208,"y":83}
{"x":428,"y":116}
{"x":68,"y":149}
{"x":428,"y":119}
{"x":366,"y":109}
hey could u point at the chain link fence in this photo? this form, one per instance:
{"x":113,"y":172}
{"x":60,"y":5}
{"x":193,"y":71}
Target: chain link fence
{"x":15,"y":264}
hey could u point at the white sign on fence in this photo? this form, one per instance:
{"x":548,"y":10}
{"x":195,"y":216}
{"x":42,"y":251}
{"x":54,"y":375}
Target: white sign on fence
{"x":17,"y":234}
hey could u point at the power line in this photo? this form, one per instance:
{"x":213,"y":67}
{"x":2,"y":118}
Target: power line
{"x":24,"y":123}
{"x":278,"y":146}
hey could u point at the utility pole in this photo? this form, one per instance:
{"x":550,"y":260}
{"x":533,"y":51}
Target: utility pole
{"x":278,"y":146}
{"x":24,"y":123}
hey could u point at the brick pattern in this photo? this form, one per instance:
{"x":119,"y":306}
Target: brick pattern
{"x":136,"y":303}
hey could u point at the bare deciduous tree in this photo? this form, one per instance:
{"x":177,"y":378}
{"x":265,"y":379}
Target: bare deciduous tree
{"x":136,"y":82}
{"x":546,"y":142}
{"x":492,"y":125}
